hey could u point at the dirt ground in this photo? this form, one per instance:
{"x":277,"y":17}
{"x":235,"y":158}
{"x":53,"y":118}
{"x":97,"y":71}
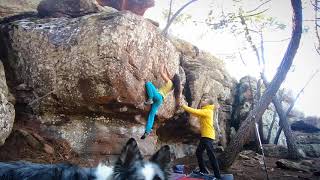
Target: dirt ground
{"x":253,"y":170}
{"x":26,"y":143}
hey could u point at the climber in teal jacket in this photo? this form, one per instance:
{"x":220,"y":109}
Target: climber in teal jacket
{"x":156,"y":96}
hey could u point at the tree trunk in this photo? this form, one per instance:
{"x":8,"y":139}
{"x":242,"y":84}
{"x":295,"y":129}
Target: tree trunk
{"x":283,"y":121}
{"x":174,"y":16}
{"x":241,"y":137}
{"x":276,"y":140}
{"x":260,"y":121}
{"x":271,"y":127}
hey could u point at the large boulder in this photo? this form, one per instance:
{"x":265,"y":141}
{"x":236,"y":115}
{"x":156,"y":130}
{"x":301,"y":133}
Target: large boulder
{"x":84,"y":78}
{"x":7,"y":112}
{"x":309,"y":143}
{"x":206,"y":74}
{"x":12,"y":7}
{"x":97,"y":63}
{"x":68,"y":8}
{"x":277,"y":151}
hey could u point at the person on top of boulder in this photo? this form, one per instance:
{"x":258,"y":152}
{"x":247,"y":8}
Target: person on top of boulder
{"x":156,"y":96}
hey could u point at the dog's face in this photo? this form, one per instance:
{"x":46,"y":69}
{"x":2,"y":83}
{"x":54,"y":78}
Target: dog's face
{"x":131,"y":166}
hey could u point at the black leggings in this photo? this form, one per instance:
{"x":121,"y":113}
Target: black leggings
{"x":206,"y":144}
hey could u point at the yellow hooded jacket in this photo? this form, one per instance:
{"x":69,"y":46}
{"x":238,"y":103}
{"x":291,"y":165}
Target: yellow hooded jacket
{"x":205,"y":115}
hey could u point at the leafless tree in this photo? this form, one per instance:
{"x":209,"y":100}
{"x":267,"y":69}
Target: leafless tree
{"x":243,"y":133}
{"x":276,"y":140}
{"x":174,"y":16}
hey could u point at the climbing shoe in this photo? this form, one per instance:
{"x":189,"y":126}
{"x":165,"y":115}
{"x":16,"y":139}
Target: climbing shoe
{"x":150,"y":101}
{"x":145,"y":135}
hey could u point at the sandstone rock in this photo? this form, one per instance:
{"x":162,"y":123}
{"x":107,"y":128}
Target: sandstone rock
{"x":12,"y":7}
{"x":99,"y":136}
{"x":181,"y":150}
{"x":7,"y":112}
{"x":304,"y":127}
{"x":314,"y":121}
{"x":311,"y":150}
{"x":295,"y":166}
{"x":48,"y":149}
{"x":206,"y":74}
{"x":308,"y":138}
{"x":69,"y":8}
{"x":32,"y":141}
{"x":309,"y":143}
{"x":317,"y":173}
{"x":96,"y":63}
{"x":278,"y":151}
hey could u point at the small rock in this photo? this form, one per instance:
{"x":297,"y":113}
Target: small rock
{"x":48,"y":149}
{"x":317,"y":173}
{"x":307,"y":162}
{"x":38,"y":137}
{"x":286,"y":164}
{"x":244,"y":157}
{"x":32,"y":141}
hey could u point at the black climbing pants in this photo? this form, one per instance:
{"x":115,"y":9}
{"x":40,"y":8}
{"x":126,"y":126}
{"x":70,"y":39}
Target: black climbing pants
{"x":207,"y":144}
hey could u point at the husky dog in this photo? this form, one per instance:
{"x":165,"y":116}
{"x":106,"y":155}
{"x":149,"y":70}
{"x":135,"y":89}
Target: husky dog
{"x":129,"y":166}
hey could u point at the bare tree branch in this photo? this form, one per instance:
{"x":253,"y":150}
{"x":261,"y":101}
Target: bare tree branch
{"x":258,"y":13}
{"x":258,"y":7}
{"x":316,"y":25}
{"x":165,"y":30}
{"x":281,"y":40}
{"x":170,"y":11}
{"x":276,"y":140}
{"x":249,"y":38}
{"x":242,"y":135}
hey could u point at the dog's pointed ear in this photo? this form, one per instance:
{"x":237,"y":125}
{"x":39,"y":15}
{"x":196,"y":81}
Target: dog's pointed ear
{"x":162,"y":157}
{"x":129,"y":154}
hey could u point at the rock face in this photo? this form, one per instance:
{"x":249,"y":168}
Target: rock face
{"x":12,"y":7}
{"x":206,"y":74}
{"x":99,"y":135}
{"x":7,"y":112}
{"x":303,"y":166}
{"x":84,"y":80}
{"x":68,"y":8}
{"x":278,"y":151}
{"x":97,"y":63}
{"x":309,"y":143}
{"x":64,"y":70}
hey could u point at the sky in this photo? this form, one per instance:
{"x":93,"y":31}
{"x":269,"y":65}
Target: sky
{"x":226,"y":46}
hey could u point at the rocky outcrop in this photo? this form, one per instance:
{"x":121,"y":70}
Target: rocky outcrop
{"x":304,"y":127}
{"x":97,"y":136}
{"x":206,"y":74}
{"x":68,"y":72}
{"x":309,"y":143}
{"x":278,"y":151}
{"x":68,"y":8}
{"x":7,"y":112}
{"x":97,"y":63}
{"x":12,"y":7}
{"x":304,"y":166}
{"x":83,"y":79}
